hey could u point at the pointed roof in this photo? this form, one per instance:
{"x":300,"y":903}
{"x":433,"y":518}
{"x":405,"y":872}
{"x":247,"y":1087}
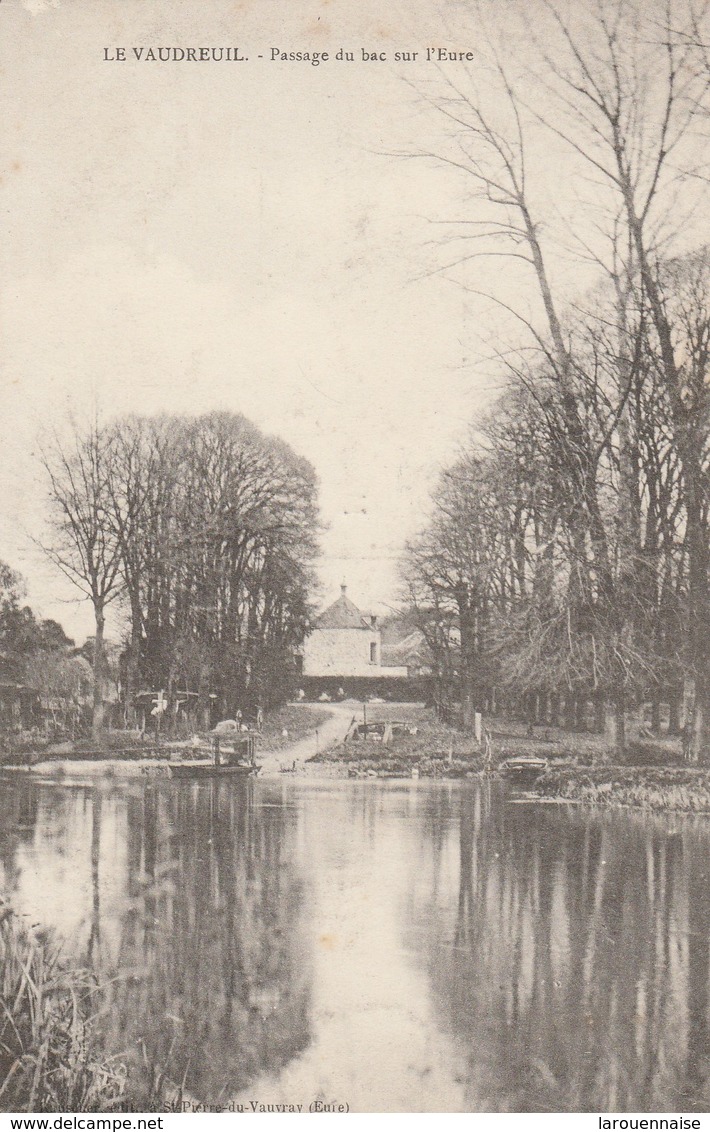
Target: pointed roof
{"x":342,"y":614}
{"x":413,"y":647}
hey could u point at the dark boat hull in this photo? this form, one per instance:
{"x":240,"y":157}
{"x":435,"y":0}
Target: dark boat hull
{"x":209,"y":770}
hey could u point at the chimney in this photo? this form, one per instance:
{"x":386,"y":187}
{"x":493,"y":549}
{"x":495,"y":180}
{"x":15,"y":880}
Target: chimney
{"x":343,"y":589}
{"x":373,"y":620}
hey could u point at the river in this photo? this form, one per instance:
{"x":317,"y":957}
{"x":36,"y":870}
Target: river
{"x":392,"y":946}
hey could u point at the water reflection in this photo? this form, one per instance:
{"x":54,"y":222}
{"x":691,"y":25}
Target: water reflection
{"x":199,"y":934}
{"x":575,"y":965}
{"x":402,"y":946}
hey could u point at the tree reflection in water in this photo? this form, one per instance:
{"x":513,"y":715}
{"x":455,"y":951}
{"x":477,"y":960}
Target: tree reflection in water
{"x":187,"y":904}
{"x":575,"y":966}
{"x":214,"y":981}
{"x":18,"y":820}
{"x":560,"y":955}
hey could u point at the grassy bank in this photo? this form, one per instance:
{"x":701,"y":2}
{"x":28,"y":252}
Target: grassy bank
{"x":441,"y":751}
{"x":435,"y":743}
{"x":436,"y":751}
{"x":298,"y":720}
{"x":51,"y":1058}
{"x":580,"y":765}
{"x":685,"y":789}
{"x":282,"y":726}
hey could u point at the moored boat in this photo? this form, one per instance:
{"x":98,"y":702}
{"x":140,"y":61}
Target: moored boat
{"x":238,"y":763}
{"x":209,"y":770}
{"x":523,"y":768}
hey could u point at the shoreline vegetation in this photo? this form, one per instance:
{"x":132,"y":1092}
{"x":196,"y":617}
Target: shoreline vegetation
{"x":282,"y":727}
{"x":581,"y":768}
{"x":661,"y":789}
{"x":51,"y":1053}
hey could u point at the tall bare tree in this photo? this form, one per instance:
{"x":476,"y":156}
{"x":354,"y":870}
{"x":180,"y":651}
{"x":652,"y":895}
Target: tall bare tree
{"x":621,"y":85}
{"x":83,"y":543}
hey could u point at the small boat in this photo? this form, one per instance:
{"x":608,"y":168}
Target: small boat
{"x":209,"y":770}
{"x":239,"y":762}
{"x":523,"y":768}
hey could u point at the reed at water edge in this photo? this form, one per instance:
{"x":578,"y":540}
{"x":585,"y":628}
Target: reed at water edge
{"x":50,"y":1057}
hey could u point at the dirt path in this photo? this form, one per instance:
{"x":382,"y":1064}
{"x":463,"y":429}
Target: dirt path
{"x":332,"y":730}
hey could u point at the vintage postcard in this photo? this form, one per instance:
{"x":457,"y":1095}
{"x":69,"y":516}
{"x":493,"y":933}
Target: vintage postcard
{"x":355,"y":558}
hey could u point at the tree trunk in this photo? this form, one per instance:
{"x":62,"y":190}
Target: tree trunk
{"x":558,"y":707}
{"x":97,"y":720}
{"x":203,"y":698}
{"x":129,"y":694}
{"x":610,"y":723}
{"x":529,"y":708}
{"x":698,"y":725}
{"x":468,"y":708}
{"x":687,"y":702}
{"x":698,"y":609}
{"x":689,"y":442}
{"x":133,"y":667}
{"x":573,"y":713}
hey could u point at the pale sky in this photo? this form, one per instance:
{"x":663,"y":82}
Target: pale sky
{"x":189,"y":236}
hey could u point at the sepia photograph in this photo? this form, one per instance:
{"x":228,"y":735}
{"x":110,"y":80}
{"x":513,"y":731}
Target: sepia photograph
{"x":355,"y":558}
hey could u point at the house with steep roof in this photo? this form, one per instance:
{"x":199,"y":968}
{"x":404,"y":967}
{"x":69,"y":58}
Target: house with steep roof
{"x":344,"y":642}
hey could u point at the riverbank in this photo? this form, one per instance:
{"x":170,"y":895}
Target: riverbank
{"x":308,"y":739}
{"x":288,"y":732}
{"x":437,"y":750}
{"x":681,"y":789}
{"x":580,"y":767}
{"x":432,"y":750}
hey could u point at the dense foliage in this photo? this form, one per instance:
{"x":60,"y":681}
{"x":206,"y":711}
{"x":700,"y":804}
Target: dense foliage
{"x":204,"y":529}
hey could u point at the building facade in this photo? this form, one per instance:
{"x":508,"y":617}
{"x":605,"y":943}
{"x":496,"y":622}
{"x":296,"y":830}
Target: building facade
{"x":344,"y":642}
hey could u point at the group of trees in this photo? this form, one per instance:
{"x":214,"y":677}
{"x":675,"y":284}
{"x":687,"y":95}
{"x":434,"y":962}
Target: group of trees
{"x":24,"y":638}
{"x":568,"y":545}
{"x":204,"y":531}
{"x":37,"y":654}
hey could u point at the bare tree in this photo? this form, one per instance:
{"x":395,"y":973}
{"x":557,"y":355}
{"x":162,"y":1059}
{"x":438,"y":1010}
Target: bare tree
{"x":621,"y":86}
{"x":83,"y":543}
{"x":630,"y":103}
